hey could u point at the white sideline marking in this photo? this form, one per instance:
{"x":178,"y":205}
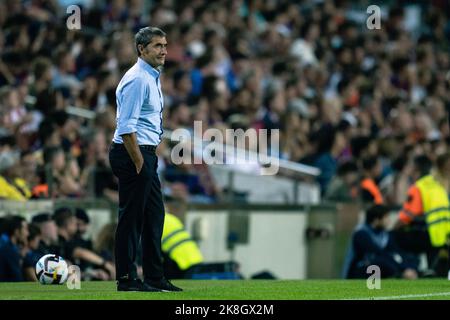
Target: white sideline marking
{"x":406,"y":296}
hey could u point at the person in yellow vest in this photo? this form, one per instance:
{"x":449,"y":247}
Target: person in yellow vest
{"x":12,"y":186}
{"x":9,"y":191}
{"x":181,"y":253}
{"x":428,"y":204}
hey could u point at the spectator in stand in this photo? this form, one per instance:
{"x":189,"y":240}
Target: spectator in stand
{"x":370,"y":192}
{"x":344,"y":186}
{"x":48,"y":233}
{"x":66,"y":222}
{"x":65,"y":173}
{"x":12,"y":249}
{"x":33,"y":254}
{"x":262,"y":61}
{"x":12,"y":186}
{"x":97,"y":166}
{"x":329,"y":145}
{"x":83,"y":222}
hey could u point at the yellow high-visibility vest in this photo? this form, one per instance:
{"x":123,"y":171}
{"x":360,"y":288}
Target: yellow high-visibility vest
{"x":22,"y":184}
{"x":436,"y":207}
{"x":9,"y":191}
{"x":178,"y":245}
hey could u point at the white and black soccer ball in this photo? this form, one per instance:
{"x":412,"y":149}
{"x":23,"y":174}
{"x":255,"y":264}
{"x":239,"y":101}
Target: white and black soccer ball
{"x":52,"y":269}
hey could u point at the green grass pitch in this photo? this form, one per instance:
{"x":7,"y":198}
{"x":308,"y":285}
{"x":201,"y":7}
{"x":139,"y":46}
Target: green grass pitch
{"x":238,"y":290}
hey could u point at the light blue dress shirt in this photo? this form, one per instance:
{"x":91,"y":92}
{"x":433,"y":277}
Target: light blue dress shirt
{"x":140,"y":104}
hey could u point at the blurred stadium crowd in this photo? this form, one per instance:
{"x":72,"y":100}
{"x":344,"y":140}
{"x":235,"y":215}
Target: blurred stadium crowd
{"x":63,"y":233}
{"x":359,"y":104}
{"x":346,"y":99}
{"x":343,"y":96}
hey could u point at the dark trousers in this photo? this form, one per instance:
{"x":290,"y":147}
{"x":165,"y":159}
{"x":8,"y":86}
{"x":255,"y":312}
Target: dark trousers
{"x":416,"y":241}
{"x":141,"y":214}
{"x":388,"y":267}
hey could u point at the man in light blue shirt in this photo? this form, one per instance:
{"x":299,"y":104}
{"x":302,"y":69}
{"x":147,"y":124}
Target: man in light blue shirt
{"x":134,"y":162}
{"x":140,"y":104}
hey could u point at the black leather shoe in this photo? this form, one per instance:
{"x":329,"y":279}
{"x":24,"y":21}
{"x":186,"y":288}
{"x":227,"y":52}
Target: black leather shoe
{"x":162,"y":284}
{"x":129,"y":285}
{"x":135,"y":285}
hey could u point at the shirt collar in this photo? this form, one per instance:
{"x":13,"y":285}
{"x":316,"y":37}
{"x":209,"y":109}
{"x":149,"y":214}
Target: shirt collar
{"x":153,"y":71}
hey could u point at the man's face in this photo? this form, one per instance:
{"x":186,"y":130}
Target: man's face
{"x":49,"y":231}
{"x":382,"y":223}
{"x":22,"y":233}
{"x":155,"y":52}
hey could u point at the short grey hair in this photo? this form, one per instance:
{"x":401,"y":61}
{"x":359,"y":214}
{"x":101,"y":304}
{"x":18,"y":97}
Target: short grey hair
{"x":145,"y":35}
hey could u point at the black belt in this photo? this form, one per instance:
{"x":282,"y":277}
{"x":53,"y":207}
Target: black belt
{"x":141,"y":146}
{"x":148,"y":147}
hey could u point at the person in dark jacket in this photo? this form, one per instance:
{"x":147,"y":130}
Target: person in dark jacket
{"x":372,"y":244}
{"x":11,"y":257}
{"x":33,"y":254}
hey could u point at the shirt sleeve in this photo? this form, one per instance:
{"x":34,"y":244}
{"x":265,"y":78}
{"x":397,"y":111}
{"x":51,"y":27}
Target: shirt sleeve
{"x":130,"y":98}
{"x":412,"y":207}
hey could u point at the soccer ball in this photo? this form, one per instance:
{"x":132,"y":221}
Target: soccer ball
{"x":52,"y":269}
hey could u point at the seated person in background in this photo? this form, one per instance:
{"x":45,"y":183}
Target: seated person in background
{"x":40,"y":190}
{"x":33,"y":255}
{"x":106,"y":184}
{"x":48,"y":234}
{"x":344,"y":186}
{"x":27,"y":171}
{"x":372,"y":244}
{"x":11,"y":250}
{"x":67,"y":227}
{"x":80,"y":239}
{"x":65,"y":173}
{"x":83,"y":222}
